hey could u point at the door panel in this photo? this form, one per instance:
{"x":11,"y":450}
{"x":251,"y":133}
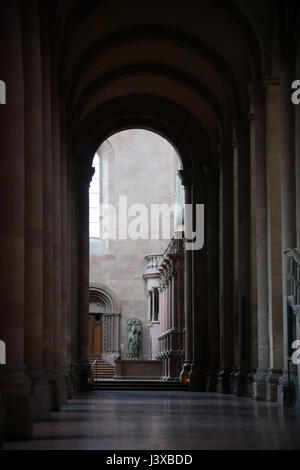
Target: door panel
{"x":95,"y":337}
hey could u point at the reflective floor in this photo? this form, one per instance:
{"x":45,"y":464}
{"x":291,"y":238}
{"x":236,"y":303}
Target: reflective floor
{"x":167,"y":421}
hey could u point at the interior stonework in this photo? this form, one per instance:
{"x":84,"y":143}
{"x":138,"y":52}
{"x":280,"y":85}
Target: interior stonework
{"x":214,"y":80}
{"x":141,"y":166}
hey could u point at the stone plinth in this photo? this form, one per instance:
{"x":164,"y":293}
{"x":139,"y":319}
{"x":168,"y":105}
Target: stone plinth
{"x":125,"y":369}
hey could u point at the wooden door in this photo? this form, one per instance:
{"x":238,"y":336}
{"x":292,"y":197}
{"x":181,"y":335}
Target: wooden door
{"x":95,"y":337}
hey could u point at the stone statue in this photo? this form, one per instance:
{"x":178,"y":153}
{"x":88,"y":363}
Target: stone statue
{"x":134,"y":342}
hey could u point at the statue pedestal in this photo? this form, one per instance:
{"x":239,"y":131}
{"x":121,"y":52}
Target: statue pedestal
{"x":138,"y":370}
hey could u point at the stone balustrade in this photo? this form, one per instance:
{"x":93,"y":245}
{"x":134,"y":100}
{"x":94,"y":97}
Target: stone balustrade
{"x":153,"y":262}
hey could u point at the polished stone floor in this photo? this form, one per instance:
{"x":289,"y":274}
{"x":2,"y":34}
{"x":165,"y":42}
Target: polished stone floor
{"x":166,"y":421}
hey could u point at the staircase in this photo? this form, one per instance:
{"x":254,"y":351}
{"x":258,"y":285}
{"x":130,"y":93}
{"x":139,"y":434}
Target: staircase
{"x":101,"y":369}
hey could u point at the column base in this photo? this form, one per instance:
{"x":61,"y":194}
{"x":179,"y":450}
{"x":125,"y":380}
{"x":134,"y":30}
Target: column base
{"x":40,"y":391}
{"x":272,"y":385}
{"x":249,"y":383}
{"x":184,"y":374}
{"x":286,"y":394}
{"x":73,"y":383}
{"x":58,"y":389}
{"x":211,"y":382}
{"x":70,"y":388}
{"x":259,"y":385}
{"x":240,"y":382}
{"x":197,"y":379}
{"x":84,"y":377}
{"x":172,"y":365}
{"x":223,"y":381}
{"x":17,"y":401}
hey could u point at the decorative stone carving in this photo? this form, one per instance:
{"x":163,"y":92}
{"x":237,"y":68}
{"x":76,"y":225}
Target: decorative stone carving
{"x":134,"y":342}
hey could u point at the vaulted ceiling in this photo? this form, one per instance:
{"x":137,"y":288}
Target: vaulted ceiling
{"x":182,"y":69}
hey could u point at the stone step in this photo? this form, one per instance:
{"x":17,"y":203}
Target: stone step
{"x":159,"y":385}
{"x":101,"y":369}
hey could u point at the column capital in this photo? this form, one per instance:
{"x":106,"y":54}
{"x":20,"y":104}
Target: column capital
{"x":186,"y":178}
{"x":85,"y":174}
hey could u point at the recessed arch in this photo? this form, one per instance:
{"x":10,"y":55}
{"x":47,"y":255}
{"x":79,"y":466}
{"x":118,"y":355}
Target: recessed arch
{"x":169,"y":120}
{"x":150,"y":69}
{"x":230,"y":9}
{"x":163,"y":34}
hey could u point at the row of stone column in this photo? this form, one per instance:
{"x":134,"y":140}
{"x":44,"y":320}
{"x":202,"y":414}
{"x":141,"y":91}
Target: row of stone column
{"x":112,"y":333}
{"x":257,"y":224}
{"x":36,"y":228}
{"x":236,"y":313}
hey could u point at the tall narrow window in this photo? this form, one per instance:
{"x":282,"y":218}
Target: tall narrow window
{"x":95,"y":200}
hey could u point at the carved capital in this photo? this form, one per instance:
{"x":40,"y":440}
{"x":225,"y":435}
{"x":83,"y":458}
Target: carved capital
{"x":85,"y":175}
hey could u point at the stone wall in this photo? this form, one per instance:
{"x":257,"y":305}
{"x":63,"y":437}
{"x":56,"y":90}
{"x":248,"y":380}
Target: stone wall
{"x":142,"y":166}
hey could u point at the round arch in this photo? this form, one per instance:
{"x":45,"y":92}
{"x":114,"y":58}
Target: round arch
{"x":100,"y":293}
{"x":184,"y":132}
{"x":102,"y":299}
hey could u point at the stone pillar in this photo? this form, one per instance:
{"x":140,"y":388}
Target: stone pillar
{"x":259,"y":181}
{"x":297,"y":174}
{"x":273,"y":133}
{"x":174,"y":290}
{"x":213,"y":278}
{"x":15,"y":385}
{"x":242,"y":339}
{"x":288,"y":218}
{"x":84,"y":178}
{"x":65,"y":286}
{"x":48,"y":297}
{"x":226,"y":269}
{"x":160,"y":290}
{"x":186,"y":181}
{"x":33,"y":324}
{"x":200,"y":292}
{"x":173,"y":372}
{"x":58,"y":379}
{"x":253,"y":350}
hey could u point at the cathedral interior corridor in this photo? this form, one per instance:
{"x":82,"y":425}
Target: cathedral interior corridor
{"x":149,"y":224}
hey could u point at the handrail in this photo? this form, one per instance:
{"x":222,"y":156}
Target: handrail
{"x":92,"y":365}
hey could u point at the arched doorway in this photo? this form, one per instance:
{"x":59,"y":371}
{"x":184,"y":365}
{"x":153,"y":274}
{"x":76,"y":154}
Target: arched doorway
{"x":103,"y":326}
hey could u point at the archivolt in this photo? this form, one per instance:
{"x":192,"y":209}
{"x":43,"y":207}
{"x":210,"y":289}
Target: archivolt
{"x":102,"y":298}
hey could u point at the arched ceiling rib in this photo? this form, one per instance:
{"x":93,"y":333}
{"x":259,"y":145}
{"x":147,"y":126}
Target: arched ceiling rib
{"x":162,"y":35}
{"x":171,"y":121}
{"x":199,"y":57}
{"x":148,"y":70}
